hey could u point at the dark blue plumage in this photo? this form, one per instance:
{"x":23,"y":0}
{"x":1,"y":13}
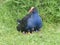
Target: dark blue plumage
{"x":31,"y":22}
{"x":34,"y":21}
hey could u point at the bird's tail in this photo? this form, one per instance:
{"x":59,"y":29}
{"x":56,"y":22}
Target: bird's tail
{"x":18,"y":21}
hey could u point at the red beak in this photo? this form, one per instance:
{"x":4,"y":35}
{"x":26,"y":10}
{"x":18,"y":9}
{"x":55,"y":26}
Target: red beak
{"x":31,"y":9}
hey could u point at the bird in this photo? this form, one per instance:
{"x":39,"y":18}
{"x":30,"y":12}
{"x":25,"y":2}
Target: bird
{"x":23,"y":23}
{"x":31,"y":22}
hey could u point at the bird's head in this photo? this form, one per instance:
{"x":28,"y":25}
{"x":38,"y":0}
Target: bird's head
{"x":33,"y":10}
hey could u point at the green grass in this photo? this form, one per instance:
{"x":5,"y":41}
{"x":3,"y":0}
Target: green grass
{"x":11,"y":10}
{"x":49,"y":35}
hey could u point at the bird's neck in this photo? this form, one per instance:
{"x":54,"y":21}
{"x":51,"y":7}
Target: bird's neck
{"x":35,"y":14}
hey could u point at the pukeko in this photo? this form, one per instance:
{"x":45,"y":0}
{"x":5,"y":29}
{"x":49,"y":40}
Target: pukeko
{"x":31,"y":22}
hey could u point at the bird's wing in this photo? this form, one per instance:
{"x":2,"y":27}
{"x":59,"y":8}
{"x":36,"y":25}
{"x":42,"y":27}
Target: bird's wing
{"x":24,"y":20}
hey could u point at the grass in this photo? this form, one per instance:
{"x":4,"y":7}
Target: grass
{"x":47,"y":36}
{"x":10,"y":12}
